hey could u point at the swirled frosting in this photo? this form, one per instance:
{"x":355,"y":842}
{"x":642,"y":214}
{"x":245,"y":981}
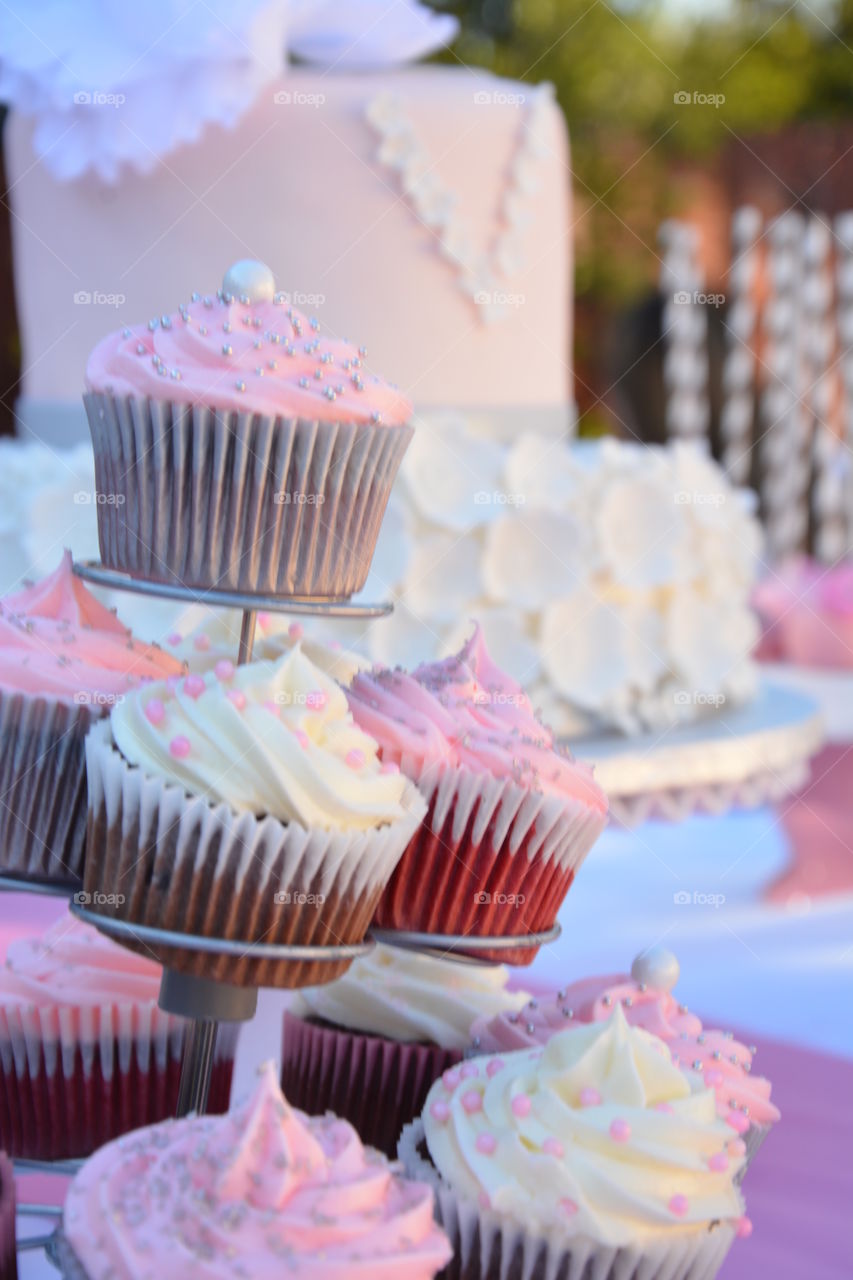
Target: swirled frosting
{"x":598,"y":1134}
{"x":725,"y":1064}
{"x":247,"y":357}
{"x":263,"y":1191}
{"x":58,"y":641}
{"x":217,"y":636}
{"x":464,"y":711}
{"x":72,"y":964}
{"x":267,"y":738}
{"x":405,"y":995}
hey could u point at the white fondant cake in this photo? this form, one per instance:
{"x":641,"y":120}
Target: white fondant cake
{"x":425,"y":208}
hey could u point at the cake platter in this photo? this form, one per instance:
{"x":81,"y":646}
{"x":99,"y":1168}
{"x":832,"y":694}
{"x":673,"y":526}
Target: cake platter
{"x":735,"y":758}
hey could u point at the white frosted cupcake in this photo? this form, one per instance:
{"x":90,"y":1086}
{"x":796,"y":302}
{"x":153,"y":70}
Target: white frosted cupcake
{"x":385,"y":1031}
{"x":245,"y":805}
{"x":595,"y":1155}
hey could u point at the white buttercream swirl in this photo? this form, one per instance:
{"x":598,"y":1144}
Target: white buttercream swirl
{"x":408,"y":996}
{"x":267,"y":738}
{"x":598,"y":1134}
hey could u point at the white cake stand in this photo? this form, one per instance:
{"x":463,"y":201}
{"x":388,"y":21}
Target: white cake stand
{"x":744,"y":757}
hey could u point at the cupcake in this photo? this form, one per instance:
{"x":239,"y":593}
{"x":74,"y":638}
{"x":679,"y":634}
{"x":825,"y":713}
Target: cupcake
{"x":217,"y":637}
{"x":743,"y":1099}
{"x":261,"y":1192}
{"x":807,"y":611}
{"x":511,"y":815}
{"x":65,"y":660}
{"x":235,"y":447}
{"x":85,"y":1052}
{"x":369,"y":1045}
{"x":8,"y":1244}
{"x":595,"y":1156}
{"x":244,"y":805}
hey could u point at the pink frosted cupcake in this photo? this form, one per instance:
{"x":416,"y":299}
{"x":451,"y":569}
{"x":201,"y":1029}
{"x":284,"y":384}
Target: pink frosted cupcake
{"x":807,"y":611}
{"x":743,"y":1100}
{"x":65,"y":660}
{"x":238,"y":448}
{"x":261,"y":1192}
{"x":85,"y":1052}
{"x":511,"y":814}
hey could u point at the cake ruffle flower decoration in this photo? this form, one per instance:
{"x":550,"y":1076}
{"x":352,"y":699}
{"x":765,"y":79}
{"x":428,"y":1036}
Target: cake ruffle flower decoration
{"x":121,"y":86}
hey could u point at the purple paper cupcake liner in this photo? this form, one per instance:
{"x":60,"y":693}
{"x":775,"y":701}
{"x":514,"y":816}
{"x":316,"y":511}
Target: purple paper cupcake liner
{"x":43,"y":786}
{"x":239,"y":501}
{"x":378,"y":1085}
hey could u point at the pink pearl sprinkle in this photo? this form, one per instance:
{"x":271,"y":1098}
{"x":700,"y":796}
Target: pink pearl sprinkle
{"x":296,"y":631}
{"x":194,"y":686}
{"x":568,"y":1206}
{"x":737,"y":1147}
{"x":484,"y":1201}
{"x":238,"y":698}
{"x":471,"y":1101}
{"x":316,"y":699}
{"x":737,"y":1121}
{"x":273,"y":708}
{"x":663,"y":1107}
{"x":451,"y":1078}
{"x":713,"y":1078}
{"x":553,"y":1147}
{"x":390,"y":767}
{"x":180,"y":747}
{"x":155,"y":712}
{"x":620,"y":1130}
{"x":521,"y":1105}
{"x":590,"y":1097}
{"x":469,"y":1070}
{"x":679,"y":1206}
{"x":719,"y":1162}
{"x":486,"y":1143}
{"x":743,"y":1228}
{"x":224,"y":668}
{"x":493,"y":1067}
{"x":202,"y":643}
{"x":174,"y":637}
{"x":301,"y":737}
{"x":440,"y":1111}
{"x":355,"y":758}
{"x":264,"y":620}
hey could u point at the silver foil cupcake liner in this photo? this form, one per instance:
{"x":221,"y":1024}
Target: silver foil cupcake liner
{"x":487,"y":1246}
{"x":159,"y":857}
{"x":238,"y":501}
{"x":43,"y":786}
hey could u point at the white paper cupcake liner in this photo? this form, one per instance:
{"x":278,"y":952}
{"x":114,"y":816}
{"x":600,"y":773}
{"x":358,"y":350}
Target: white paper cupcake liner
{"x":160,"y":857}
{"x":243,"y":502}
{"x":43,"y":786}
{"x":487,"y":1246}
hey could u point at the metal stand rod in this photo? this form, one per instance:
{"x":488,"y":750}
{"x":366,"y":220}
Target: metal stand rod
{"x":204,"y":1003}
{"x":197,"y":1066}
{"x":247,"y":636}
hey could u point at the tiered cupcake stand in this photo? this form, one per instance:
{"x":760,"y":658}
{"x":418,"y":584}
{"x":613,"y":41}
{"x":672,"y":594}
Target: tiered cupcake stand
{"x":202,"y":1001}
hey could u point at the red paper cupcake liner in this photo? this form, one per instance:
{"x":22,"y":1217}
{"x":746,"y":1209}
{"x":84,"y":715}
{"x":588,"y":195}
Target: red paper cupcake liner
{"x":57,"y":1115}
{"x":8,"y":1255}
{"x":378,"y":1085}
{"x":489,"y":859}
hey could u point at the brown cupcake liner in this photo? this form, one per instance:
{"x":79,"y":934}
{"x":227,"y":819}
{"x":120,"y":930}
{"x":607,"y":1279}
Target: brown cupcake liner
{"x":379,"y":1085}
{"x":158,"y":857}
{"x":490,"y":858}
{"x":488,"y":1246}
{"x":8,"y":1254}
{"x":239,"y":501}
{"x":72,"y":1079}
{"x":43,"y":786}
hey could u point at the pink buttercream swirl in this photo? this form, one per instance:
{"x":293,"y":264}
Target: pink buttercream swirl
{"x":57,"y":640}
{"x":252,"y":357}
{"x":465,"y":712}
{"x":263,"y":1191}
{"x":73,"y":965}
{"x":724,"y":1062}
